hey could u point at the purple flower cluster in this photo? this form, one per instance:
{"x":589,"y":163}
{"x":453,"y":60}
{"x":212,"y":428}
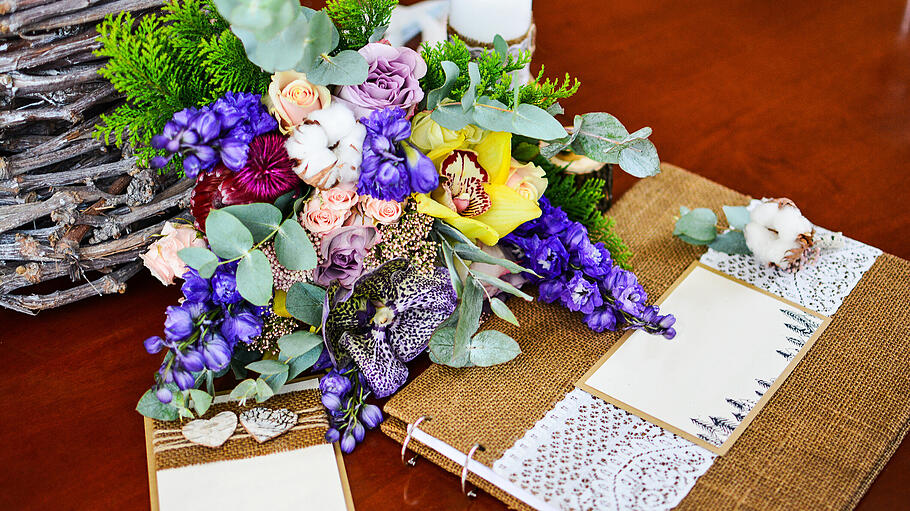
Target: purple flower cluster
{"x":344,"y":394}
{"x":202,"y":332}
{"x":392,"y":168}
{"x":581,"y":275}
{"x":221,"y":132}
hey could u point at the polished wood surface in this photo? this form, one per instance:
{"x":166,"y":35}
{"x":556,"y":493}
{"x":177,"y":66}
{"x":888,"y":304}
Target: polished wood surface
{"x":807,"y":100}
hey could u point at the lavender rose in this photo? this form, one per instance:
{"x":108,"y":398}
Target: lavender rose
{"x":394,"y":80}
{"x":343,"y":251}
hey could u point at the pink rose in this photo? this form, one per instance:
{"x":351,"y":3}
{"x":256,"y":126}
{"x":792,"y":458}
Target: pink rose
{"x":383,"y":211}
{"x":340,"y":198}
{"x":528,"y":180}
{"x":319,"y":219}
{"x":162,"y":259}
{"x":292,"y":98}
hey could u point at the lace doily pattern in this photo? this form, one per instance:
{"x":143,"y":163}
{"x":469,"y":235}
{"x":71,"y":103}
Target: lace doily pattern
{"x":821,"y":287}
{"x":588,"y":454}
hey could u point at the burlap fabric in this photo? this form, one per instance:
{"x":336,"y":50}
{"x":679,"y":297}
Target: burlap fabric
{"x":818,"y":443}
{"x":311,"y":428}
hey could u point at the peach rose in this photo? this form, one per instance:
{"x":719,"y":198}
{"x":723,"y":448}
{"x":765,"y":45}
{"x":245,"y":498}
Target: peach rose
{"x":292,"y":98}
{"x":341,"y":197}
{"x":319,"y":219}
{"x":527,"y":180}
{"x":383,"y":211}
{"x":162,"y":259}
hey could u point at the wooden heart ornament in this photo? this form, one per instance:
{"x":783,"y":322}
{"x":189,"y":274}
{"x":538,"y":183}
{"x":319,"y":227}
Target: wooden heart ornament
{"x":265,"y":424}
{"x":211,"y":432}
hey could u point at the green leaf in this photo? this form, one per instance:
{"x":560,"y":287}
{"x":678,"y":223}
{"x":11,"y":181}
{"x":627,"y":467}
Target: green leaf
{"x":293,"y":247}
{"x":472,"y":253}
{"x":731,"y":242}
{"x":227,"y":235}
{"x":268,"y":367}
{"x":467,"y":100}
{"x":451,"y":116}
{"x":441,"y":349}
{"x":491,"y":347}
{"x":150,"y":407}
{"x":450,"y":265}
{"x":200,"y":259}
{"x":259,"y":218}
{"x":692,"y":241}
{"x":346,"y":68}
{"x":254,"y":278}
{"x":263,"y":390}
{"x":468,"y":317}
{"x":202,"y":400}
{"x":305,"y":302}
{"x":436,"y":95}
{"x":277,"y":380}
{"x":304,"y":362}
{"x":296,"y":344}
{"x":535,"y":122}
{"x":502,"y":310}
{"x":501,"y":47}
{"x":451,"y":232}
{"x":557,"y":146}
{"x":737,"y":216}
{"x":699,"y":224}
{"x":321,"y":39}
{"x":244,"y":389}
{"x":492,"y":114}
{"x":274,"y":51}
{"x":640,"y":159}
{"x":502,"y":285}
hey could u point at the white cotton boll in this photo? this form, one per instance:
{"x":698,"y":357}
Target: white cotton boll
{"x":355,"y":137}
{"x":349,"y":155}
{"x":337,"y":120}
{"x":319,"y":160}
{"x":779,"y":235}
{"x":310,"y":135}
{"x":790,"y":223}
{"x":347,"y":173}
{"x":763,"y":213}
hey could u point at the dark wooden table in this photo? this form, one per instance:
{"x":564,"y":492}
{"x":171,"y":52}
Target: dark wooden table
{"x":801,"y":99}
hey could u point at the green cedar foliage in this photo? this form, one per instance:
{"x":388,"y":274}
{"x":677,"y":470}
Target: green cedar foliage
{"x":495,"y":80}
{"x":184,"y":57}
{"x":359,"y":20}
{"x":580,"y":197}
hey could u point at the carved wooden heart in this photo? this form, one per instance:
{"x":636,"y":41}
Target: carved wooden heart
{"x":211,"y":432}
{"x":265,"y":424}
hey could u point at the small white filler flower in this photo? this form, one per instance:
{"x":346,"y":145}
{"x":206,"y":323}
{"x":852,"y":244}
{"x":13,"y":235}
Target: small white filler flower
{"x":328,"y":147}
{"x":779,"y":235}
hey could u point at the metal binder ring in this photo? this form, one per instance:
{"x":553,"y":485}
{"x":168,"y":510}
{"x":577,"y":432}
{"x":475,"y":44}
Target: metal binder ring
{"x":407,"y":439}
{"x":464,"y":468}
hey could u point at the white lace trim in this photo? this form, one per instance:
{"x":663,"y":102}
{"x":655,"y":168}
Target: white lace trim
{"x":821,"y":287}
{"x":588,"y":454}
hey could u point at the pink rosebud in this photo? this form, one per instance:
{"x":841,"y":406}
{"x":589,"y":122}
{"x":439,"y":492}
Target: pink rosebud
{"x":162,"y":259}
{"x":383,"y":211}
{"x":319,"y":219}
{"x":340,"y":198}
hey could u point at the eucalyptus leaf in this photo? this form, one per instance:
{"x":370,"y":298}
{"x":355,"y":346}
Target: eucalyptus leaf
{"x":639,"y":159}
{"x":449,"y":258}
{"x":692,"y":241}
{"x":731,"y":242}
{"x":699,"y":224}
{"x":322,"y":37}
{"x":451,"y":71}
{"x":472,"y":253}
{"x":502,"y":285}
{"x":467,"y":100}
{"x":293,"y":247}
{"x":295,"y":344}
{"x":378,"y":33}
{"x":202,"y":400}
{"x":559,"y":145}
{"x":305,"y":302}
{"x":254,"y":278}
{"x":150,"y":406}
{"x":263,"y":390}
{"x":244,"y":389}
{"x":502,"y":310}
{"x":533,"y":121}
{"x":346,"y":68}
{"x":200,"y":259}
{"x":501,"y":47}
{"x":491,"y":347}
{"x":451,"y":232}
{"x":268,"y":367}
{"x":304,"y":362}
{"x":555,"y":109}
{"x":451,"y":116}
{"x":227,"y":235}
{"x":492,"y":114}
{"x":737,"y":216}
{"x":469,"y":310}
{"x":259,"y":218}
{"x":441,"y":349}
{"x":274,"y":51}
{"x":276,"y":381}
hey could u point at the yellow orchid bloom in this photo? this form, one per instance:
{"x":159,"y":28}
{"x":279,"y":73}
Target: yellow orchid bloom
{"x":503,"y":209}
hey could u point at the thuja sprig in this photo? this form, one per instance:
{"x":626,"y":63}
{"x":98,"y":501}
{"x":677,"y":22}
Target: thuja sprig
{"x":360,"y":21}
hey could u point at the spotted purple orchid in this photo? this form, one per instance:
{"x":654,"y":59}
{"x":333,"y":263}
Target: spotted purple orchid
{"x":386,"y":320}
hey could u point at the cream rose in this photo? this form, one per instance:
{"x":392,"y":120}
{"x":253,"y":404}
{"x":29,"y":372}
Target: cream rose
{"x":383,"y":211}
{"x":292,"y":99}
{"x":162,"y":259}
{"x":341,"y":197}
{"x":319,"y":219}
{"x":528,"y":180}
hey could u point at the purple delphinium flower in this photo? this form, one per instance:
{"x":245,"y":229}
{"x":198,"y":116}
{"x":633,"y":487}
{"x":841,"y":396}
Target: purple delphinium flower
{"x":581,"y":275}
{"x":195,"y":288}
{"x":343,"y":394}
{"x":224,"y":286}
{"x":179,"y":323}
{"x":392,"y":169}
{"x":218,"y":132}
{"x":243,"y":327}
{"x":334,"y":383}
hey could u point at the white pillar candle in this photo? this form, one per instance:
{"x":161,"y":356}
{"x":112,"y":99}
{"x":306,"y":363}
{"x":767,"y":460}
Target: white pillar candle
{"x":481,"y":20}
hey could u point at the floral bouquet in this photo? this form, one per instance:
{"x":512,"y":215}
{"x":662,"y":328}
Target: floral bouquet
{"x":355,"y":203}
